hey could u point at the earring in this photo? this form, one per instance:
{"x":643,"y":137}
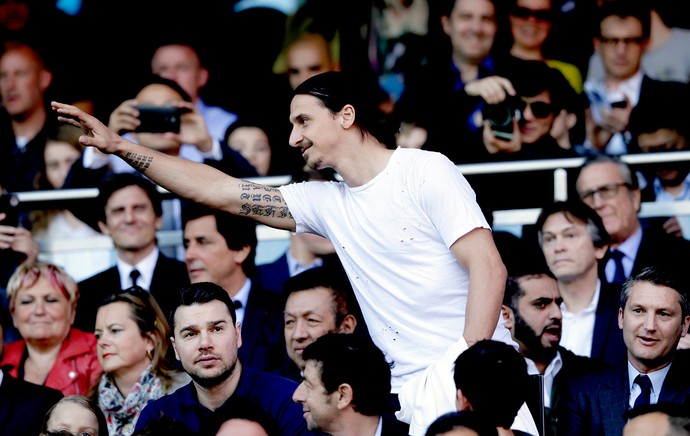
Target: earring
{"x":149,"y":354}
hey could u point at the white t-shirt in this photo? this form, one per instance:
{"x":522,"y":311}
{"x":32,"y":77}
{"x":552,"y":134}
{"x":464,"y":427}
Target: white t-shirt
{"x":393,"y":236}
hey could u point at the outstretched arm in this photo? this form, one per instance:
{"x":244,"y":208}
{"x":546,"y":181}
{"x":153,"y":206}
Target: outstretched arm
{"x":197,"y":182}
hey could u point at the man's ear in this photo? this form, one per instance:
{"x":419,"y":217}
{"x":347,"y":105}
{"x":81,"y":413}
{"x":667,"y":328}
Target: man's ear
{"x":344,"y":396}
{"x":347,"y":114}
{"x":348,"y":324}
{"x":103,"y":227}
{"x":461,"y":402}
{"x":508,"y":317}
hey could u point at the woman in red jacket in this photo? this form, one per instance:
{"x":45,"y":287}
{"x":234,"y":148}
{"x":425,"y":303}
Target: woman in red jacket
{"x":42,"y":301}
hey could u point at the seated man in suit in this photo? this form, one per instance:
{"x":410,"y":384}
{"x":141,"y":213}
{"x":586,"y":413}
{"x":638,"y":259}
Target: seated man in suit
{"x":130,"y":213}
{"x":220,"y":248}
{"x":532,"y":310}
{"x":319,"y":300}
{"x":611,"y":188}
{"x":23,"y":405}
{"x":654,"y":315}
{"x":575,"y":243}
{"x":346,"y":387}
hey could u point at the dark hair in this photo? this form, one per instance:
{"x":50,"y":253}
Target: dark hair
{"x":624,"y":9}
{"x":576,"y":210}
{"x":354,"y":360}
{"x":84,"y":402}
{"x":513,"y":291}
{"x":658,"y":277}
{"x":532,"y":77}
{"x":201,"y":293}
{"x":118,"y":181}
{"x":488,"y":367}
{"x":461,"y":419}
{"x":150,"y":319}
{"x":335,"y":89}
{"x":678,"y":416}
{"x":240,"y":407}
{"x":238,"y":231}
{"x":329,"y":278}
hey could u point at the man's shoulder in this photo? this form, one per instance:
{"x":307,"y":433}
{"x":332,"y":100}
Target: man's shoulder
{"x":19,"y":390}
{"x":98,"y":277}
{"x":256,"y":382}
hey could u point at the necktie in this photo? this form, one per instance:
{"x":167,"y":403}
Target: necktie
{"x":619,"y":272}
{"x":646,"y":390}
{"x":237,"y":304}
{"x":134,"y":275}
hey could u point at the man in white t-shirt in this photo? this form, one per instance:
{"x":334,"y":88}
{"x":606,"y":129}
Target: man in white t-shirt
{"x":404,"y":222}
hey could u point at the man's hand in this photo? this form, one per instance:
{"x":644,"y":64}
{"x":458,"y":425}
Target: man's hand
{"x":492,"y":89}
{"x":193,"y":128}
{"x":125,"y":117}
{"x":96,"y":134}
{"x":495,"y":145}
{"x":18,"y":239}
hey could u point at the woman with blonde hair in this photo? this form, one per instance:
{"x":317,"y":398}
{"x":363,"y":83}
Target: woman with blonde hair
{"x":42,"y":301}
{"x":132,"y":336}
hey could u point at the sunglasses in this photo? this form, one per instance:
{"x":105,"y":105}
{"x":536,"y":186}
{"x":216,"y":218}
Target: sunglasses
{"x":540,"y":109}
{"x":538,"y":14}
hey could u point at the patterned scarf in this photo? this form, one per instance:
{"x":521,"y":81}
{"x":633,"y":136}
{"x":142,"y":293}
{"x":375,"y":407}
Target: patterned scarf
{"x":121,"y":414}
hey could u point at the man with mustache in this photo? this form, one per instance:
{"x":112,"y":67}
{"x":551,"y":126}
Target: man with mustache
{"x":531,"y":308}
{"x":575,"y":245}
{"x":206,"y":338}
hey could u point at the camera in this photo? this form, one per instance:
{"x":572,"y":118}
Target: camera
{"x":160,"y":119}
{"x":500,"y":117}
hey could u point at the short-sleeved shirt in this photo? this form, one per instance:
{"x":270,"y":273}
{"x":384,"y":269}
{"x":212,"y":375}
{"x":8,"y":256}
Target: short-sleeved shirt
{"x":393,"y":236}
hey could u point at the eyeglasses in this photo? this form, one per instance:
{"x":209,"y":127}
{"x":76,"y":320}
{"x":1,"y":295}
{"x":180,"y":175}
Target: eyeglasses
{"x":613,"y":42}
{"x":538,"y":14}
{"x":605,"y":192}
{"x":540,"y":109}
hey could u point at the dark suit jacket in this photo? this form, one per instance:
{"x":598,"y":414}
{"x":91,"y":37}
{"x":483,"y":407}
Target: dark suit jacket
{"x":573,"y":365}
{"x":607,"y":342}
{"x":595,"y":403}
{"x":263,"y":342}
{"x":662,"y":250}
{"x":168,"y":275}
{"x":23,"y":406}
{"x":273,"y":275}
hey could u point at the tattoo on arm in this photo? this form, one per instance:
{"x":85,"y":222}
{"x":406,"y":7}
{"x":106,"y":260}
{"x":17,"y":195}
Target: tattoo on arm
{"x":263,"y":201}
{"x":139,"y":162}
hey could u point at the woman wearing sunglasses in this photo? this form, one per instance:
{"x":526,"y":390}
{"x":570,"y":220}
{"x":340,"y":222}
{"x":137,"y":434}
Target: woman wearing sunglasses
{"x":42,"y":301}
{"x":132,"y":336}
{"x":530,"y":25}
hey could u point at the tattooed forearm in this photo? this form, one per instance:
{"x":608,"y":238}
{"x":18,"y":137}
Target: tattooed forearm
{"x":139,"y":161}
{"x":263,"y":201}
{"x":265,"y":210}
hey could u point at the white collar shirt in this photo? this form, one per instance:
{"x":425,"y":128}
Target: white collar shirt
{"x":656,"y":377}
{"x":629,"y":248}
{"x":550,"y":373}
{"x":145,"y":266}
{"x":578,"y":328}
{"x":243,"y":297}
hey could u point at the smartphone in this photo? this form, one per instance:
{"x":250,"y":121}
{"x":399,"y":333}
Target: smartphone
{"x":159,"y":119}
{"x":8,"y":206}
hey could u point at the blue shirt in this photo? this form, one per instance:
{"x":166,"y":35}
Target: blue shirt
{"x":272,"y":392}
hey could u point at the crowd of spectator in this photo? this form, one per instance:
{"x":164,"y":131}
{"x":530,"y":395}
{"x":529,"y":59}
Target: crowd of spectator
{"x":576,"y":324}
